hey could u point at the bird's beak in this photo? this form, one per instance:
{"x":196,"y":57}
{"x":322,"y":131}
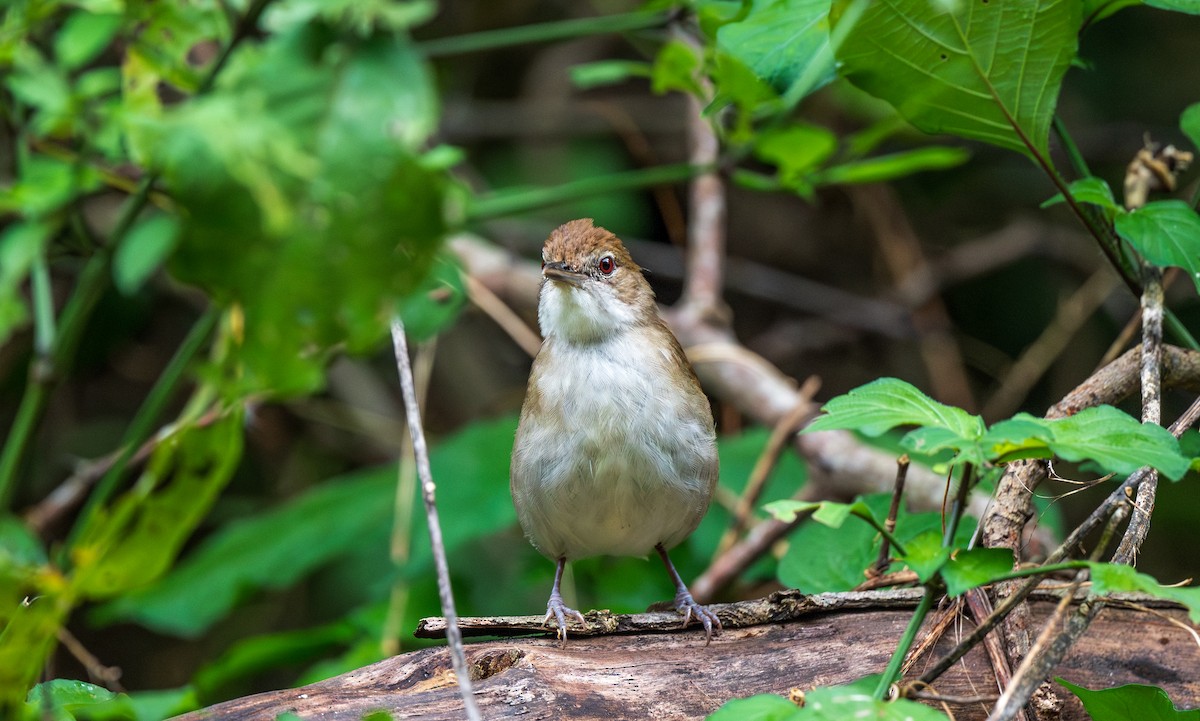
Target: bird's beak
{"x":560,"y":272}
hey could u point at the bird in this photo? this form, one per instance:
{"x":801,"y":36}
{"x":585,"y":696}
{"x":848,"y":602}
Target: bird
{"x":615,"y":452}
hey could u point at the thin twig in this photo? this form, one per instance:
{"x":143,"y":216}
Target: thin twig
{"x":1070,"y":315}
{"x":503,"y":316}
{"x":901,"y":251}
{"x":402,"y":507}
{"x":1152,"y":319}
{"x":1055,"y":640}
{"x":108,"y":676}
{"x":881,"y":563}
{"x":767,"y":460}
{"x":428,"y":490}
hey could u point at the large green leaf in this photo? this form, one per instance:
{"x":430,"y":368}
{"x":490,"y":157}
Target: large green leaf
{"x":67,"y":700}
{"x":832,"y":555}
{"x":857,"y":701}
{"x":886,"y":403}
{"x":339,"y":519}
{"x":1104,"y":434}
{"x":1189,"y":122}
{"x":304,"y":198}
{"x":1110,"y":578}
{"x":783,"y":42}
{"x":763,"y":707}
{"x":988,"y":71}
{"x":1165,"y":232}
{"x":135,"y":540}
{"x":1131,"y":701}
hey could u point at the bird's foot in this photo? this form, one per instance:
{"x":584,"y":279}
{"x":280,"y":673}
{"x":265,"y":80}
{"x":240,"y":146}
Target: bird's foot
{"x":559,"y":611}
{"x":686,"y":605}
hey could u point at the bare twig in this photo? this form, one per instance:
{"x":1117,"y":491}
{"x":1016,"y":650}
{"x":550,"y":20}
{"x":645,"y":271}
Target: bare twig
{"x":503,"y":316}
{"x":766,"y":463}
{"x":1152,"y":318}
{"x":428,"y":490}
{"x":402,"y":507}
{"x":777,"y":607}
{"x":902,"y":253}
{"x":1054,"y":339}
{"x":1056,"y":638}
{"x":108,"y":676}
{"x":881,"y":563}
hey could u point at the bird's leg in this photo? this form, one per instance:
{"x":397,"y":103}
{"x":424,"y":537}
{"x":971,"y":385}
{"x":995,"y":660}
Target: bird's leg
{"x":558,"y":610}
{"x":685,"y":604}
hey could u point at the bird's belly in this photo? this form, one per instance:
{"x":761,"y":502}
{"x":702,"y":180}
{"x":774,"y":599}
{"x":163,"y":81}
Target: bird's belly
{"x":615,"y":495}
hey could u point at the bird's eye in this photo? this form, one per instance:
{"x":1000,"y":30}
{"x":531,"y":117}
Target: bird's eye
{"x":606,"y":265}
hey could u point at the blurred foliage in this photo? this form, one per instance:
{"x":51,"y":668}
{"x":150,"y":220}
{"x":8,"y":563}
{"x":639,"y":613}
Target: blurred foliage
{"x":281,"y":178}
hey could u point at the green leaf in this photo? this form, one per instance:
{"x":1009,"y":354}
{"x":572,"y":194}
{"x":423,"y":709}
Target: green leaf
{"x":1118,"y":442}
{"x":797,"y":149}
{"x":1022,"y":436}
{"x":76,"y":699}
{"x":1094,"y":10}
{"x":436,"y":302}
{"x":607,"y":72}
{"x":143,"y":251}
{"x":886,"y":403}
{"x":83,"y":36}
{"x":1165,"y":232}
{"x":889,"y":167}
{"x":359,"y":16}
{"x":925,"y":554}
{"x":135,"y":541}
{"x":968,"y":569}
{"x":1108,"y":578}
{"x":1191,"y":7}
{"x":20,"y":244}
{"x":986,"y":71}
{"x":42,"y":86}
{"x":305,"y":201}
{"x":787,"y":509}
{"x":823,"y":557}
{"x":1089,"y":190}
{"x":1131,"y":701}
{"x":737,"y":85}
{"x":1110,"y":437}
{"x":676,"y":67}
{"x":256,"y":654}
{"x":783,"y":42}
{"x":1189,"y":123}
{"x":857,"y":701}
{"x":764,"y":707}
{"x":65,"y":696}
{"x":276,"y":548}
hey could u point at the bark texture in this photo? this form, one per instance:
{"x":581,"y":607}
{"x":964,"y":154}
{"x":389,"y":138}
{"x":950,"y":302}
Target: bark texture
{"x":674,"y":676}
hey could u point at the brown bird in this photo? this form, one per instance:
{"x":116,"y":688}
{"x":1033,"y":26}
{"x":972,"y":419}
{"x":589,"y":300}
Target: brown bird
{"x":616,"y":450}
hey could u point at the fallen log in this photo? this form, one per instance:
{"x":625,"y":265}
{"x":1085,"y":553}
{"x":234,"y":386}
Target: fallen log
{"x":673,"y":675}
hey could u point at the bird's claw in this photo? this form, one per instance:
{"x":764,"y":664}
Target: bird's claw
{"x":559,"y":611}
{"x":686,"y":605}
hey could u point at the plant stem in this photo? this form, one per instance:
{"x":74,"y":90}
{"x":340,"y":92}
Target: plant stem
{"x":1071,"y":149}
{"x":542,"y":32}
{"x":959,"y":504}
{"x":521,"y":201}
{"x":892,"y":672}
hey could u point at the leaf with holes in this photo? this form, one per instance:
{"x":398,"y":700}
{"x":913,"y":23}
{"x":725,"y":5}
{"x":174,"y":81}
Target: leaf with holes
{"x":988,"y":70}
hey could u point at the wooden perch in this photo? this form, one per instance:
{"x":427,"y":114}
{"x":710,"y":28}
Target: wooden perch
{"x":836,"y":639}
